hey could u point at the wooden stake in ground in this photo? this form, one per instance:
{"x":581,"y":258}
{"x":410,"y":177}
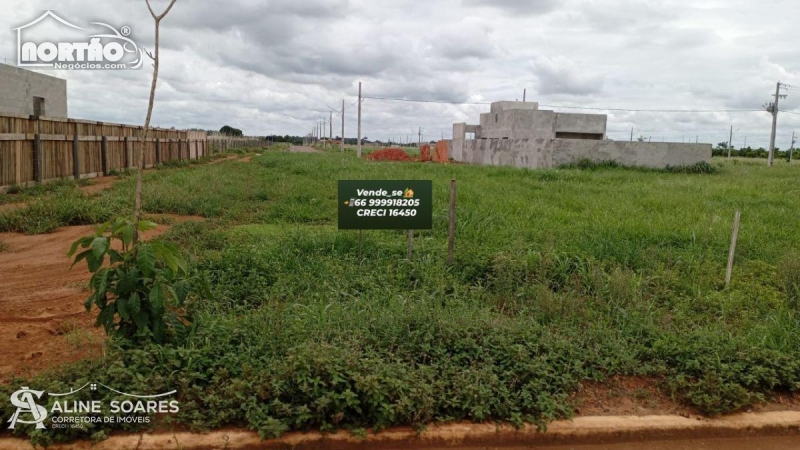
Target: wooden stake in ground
{"x":452,"y":231}
{"x":732,"y":254}
{"x":359,"y":120}
{"x":137,"y":209}
{"x":342,"y":144}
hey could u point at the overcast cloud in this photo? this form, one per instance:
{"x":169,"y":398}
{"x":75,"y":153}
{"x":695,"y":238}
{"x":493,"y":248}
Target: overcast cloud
{"x":275,"y":66}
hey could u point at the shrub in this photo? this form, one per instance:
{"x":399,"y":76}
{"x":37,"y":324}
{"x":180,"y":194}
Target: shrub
{"x":141,"y":282}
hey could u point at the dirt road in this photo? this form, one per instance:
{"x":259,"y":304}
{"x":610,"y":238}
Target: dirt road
{"x":302,"y":149}
{"x":42,"y":318}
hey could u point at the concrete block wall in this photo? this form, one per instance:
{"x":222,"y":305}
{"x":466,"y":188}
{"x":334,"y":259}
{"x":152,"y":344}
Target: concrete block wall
{"x":19,"y":86}
{"x":580,"y":123}
{"x":639,"y":154}
{"x":551,"y":153}
{"x":529,"y":153}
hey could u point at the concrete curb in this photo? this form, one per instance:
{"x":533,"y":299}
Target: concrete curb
{"x":582,"y":430}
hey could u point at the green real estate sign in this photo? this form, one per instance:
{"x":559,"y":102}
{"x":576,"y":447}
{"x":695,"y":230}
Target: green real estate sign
{"x":385,"y":205}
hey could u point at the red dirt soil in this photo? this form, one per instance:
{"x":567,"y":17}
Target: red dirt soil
{"x":389,"y":154}
{"x":42,"y":319}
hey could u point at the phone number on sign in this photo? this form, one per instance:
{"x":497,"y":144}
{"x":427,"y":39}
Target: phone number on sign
{"x":387,"y":213}
{"x":401,"y":203}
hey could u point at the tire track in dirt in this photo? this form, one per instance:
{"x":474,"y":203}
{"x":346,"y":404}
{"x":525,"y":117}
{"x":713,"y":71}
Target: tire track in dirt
{"x":43,"y":322}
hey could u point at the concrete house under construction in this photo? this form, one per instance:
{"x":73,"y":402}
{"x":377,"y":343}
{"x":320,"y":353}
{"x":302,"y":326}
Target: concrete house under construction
{"x":520,"y":134}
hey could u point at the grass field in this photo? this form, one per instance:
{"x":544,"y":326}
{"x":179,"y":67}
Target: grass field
{"x":560,"y":276}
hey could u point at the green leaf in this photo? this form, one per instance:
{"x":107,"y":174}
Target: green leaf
{"x":93,"y":261}
{"x":103,"y":228}
{"x":146,"y":225}
{"x":84,"y":242}
{"x":106,"y":318}
{"x":157,"y":299}
{"x":170,"y":254}
{"x":122,"y":308}
{"x":126,"y":234}
{"x":100,"y":283}
{"x":146,"y":260}
{"x":180,"y":290}
{"x":73,"y":248}
{"x":118,"y":226}
{"x":115,"y":256}
{"x":141,"y":320}
{"x":128,"y":282}
{"x":81,"y":257}
{"x":135,"y":304}
{"x":99,"y":246}
{"x":88,"y":303}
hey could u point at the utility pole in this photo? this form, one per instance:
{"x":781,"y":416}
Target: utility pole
{"x":730,"y":142}
{"x":331,"y":126}
{"x":342,"y":126}
{"x":524,"y":95}
{"x":631,"y":134}
{"x":420,"y":138}
{"x":791,"y":150}
{"x":359,"y":121}
{"x":774,"y":108}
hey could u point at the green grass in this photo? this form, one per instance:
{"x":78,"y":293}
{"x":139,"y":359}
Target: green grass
{"x":560,"y":276}
{"x":18,"y":194}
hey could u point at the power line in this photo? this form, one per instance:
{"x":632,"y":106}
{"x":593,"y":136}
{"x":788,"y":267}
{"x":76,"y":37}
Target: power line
{"x":338,"y":111}
{"x":442,"y":102}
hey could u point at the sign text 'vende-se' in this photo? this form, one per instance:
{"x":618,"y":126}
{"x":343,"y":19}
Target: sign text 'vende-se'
{"x":385,"y":205}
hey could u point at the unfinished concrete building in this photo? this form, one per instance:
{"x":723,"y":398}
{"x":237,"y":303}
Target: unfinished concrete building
{"x":26,"y":93}
{"x":520,"y":134}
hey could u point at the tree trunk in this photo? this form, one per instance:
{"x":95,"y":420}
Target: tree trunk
{"x":137,"y":209}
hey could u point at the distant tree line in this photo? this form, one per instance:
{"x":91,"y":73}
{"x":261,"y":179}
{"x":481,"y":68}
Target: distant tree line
{"x":722,"y":150}
{"x":294,"y":140}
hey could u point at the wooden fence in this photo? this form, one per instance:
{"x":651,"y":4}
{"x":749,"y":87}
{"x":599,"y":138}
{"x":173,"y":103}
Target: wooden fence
{"x":220,"y":143}
{"x":36,"y":150}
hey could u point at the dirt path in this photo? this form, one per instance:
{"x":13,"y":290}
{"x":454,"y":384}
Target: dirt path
{"x":302,"y":149}
{"x":222,"y":160}
{"x":100,"y":184}
{"x":42,"y":318}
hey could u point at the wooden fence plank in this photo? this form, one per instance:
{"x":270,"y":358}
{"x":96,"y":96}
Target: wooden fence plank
{"x":104,"y":156}
{"x":37,"y":159}
{"x":76,"y":157}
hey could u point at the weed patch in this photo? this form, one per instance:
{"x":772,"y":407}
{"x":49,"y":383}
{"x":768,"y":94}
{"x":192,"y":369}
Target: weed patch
{"x":560,"y":277}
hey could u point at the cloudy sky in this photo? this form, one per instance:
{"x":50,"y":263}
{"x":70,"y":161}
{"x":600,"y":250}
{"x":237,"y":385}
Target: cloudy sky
{"x":276,"y":66}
